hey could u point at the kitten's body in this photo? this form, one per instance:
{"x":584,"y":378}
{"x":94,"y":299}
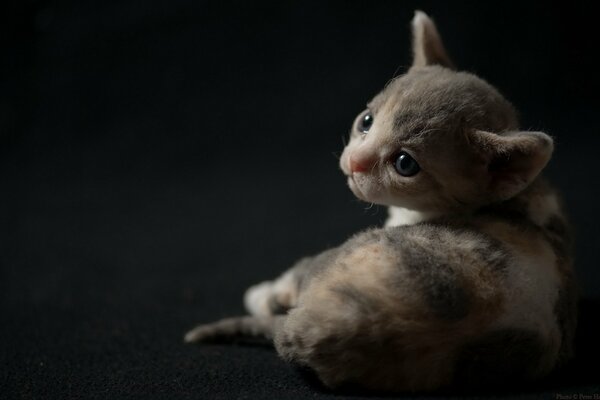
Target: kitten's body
{"x":471,"y":283}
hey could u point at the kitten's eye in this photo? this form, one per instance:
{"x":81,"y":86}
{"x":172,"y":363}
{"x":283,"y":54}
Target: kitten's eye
{"x":406,"y":165}
{"x":365,"y":123}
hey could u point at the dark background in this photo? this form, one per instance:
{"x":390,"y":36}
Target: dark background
{"x":158,"y":157}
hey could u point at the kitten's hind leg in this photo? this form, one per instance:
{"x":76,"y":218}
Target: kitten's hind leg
{"x":273,"y":297}
{"x":231,"y":328}
{"x":280,"y":295}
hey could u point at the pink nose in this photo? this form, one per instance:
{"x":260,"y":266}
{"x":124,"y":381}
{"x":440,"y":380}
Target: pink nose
{"x":358,"y":164}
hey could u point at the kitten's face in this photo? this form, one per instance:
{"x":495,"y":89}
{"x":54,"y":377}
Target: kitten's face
{"x":410,"y":148}
{"x":438,"y":140}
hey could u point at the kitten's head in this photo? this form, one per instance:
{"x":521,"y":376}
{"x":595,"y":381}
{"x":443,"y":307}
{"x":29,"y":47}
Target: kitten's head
{"x":440,"y":140}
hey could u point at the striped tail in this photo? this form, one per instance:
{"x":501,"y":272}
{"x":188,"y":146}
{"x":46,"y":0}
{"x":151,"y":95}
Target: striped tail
{"x":230,"y":328}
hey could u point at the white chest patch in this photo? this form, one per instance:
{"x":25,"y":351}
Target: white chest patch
{"x":398,"y":216}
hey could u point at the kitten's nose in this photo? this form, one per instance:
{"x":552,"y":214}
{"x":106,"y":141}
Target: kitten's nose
{"x":360,"y":164}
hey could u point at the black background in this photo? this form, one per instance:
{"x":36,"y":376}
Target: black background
{"x":158,"y":157}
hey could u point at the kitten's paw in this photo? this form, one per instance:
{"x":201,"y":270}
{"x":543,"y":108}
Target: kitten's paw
{"x":258,"y":298}
{"x":272,"y":297}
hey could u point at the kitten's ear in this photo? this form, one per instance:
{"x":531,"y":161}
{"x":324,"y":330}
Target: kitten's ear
{"x":428,"y":48}
{"x":511,"y":161}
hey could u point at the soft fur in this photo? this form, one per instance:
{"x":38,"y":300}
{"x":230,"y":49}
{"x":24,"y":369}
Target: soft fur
{"x":470,"y":281}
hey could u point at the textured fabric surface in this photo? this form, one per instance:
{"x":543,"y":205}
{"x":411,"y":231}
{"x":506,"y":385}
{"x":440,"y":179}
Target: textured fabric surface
{"x":157,"y":158}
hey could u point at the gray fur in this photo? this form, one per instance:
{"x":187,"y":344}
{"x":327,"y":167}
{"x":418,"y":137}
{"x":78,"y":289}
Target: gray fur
{"x":456,"y":100}
{"x":441,"y":286}
{"x":310,"y":267}
{"x":362,"y":301}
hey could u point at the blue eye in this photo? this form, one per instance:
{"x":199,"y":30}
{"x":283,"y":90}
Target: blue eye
{"x":406,"y":165}
{"x":365,"y":123}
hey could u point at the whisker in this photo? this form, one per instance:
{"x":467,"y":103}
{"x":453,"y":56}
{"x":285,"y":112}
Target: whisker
{"x":374,"y":166}
{"x":376,"y":209}
{"x":396,"y":71}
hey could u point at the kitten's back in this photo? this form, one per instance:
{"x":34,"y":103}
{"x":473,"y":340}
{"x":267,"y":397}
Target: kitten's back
{"x":439,"y":302}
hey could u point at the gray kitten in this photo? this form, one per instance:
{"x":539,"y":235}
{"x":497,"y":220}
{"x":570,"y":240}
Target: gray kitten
{"x":471,"y":278}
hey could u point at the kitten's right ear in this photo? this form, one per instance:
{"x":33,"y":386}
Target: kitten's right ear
{"x":428,"y":48}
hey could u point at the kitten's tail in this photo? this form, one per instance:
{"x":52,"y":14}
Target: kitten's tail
{"x":230,"y":328}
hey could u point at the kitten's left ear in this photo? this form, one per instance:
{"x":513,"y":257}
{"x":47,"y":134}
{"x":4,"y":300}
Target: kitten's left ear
{"x":428,"y":48}
{"x":511,"y":161}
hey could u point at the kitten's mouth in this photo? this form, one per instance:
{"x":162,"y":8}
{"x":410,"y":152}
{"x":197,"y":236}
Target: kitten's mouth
{"x":355,"y":188}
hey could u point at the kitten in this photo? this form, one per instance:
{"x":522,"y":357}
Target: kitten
{"x":470,"y":281}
